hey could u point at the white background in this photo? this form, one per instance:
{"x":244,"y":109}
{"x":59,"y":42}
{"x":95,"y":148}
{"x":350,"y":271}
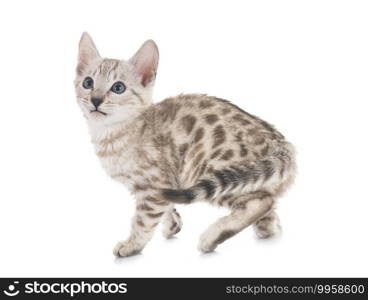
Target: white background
{"x":301,"y":65}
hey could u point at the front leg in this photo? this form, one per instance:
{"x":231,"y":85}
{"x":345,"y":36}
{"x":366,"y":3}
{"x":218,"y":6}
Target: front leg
{"x":149,"y":212}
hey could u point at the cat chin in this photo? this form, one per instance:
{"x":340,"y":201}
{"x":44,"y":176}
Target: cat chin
{"x":98,"y":120}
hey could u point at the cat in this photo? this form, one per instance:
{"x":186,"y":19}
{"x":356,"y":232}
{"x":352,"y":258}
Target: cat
{"x":184,"y":149}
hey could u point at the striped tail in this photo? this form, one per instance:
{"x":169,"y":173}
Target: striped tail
{"x":265,"y":173}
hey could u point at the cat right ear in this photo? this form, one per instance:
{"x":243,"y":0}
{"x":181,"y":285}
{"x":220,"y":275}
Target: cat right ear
{"x":87,"y":52}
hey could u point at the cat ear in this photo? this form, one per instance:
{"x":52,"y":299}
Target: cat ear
{"x":87,"y":51}
{"x":145,"y":62}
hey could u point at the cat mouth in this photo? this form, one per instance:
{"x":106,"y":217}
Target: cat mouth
{"x":98,"y":112}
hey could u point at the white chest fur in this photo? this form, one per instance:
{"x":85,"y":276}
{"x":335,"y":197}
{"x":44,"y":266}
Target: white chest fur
{"x":115,"y":149}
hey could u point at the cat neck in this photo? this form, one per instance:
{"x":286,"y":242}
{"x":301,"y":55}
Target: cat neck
{"x":100,"y":131}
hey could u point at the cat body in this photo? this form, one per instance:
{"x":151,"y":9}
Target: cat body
{"x":184,"y":149}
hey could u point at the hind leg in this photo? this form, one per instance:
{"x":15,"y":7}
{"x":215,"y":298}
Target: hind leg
{"x":267,"y":226}
{"x":245,"y":212}
{"x":171,"y":223}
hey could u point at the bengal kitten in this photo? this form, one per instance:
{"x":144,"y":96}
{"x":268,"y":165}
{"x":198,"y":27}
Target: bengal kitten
{"x":181,"y":150}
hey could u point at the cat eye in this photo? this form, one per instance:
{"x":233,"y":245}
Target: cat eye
{"x":118,"y":87}
{"x":88,"y":83}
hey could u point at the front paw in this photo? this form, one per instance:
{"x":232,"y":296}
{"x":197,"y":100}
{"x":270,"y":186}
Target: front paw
{"x":172,"y":224}
{"x":126,"y":248}
{"x":206,"y":244}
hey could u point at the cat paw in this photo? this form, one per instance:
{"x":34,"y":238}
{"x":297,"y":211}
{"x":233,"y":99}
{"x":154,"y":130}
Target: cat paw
{"x":172,"y":224}
{"x":169,"y":232}
{"x":206,"y":245}
{"x":126,"y":248}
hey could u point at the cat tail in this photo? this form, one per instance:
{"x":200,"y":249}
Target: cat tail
{"x":268,"y":172}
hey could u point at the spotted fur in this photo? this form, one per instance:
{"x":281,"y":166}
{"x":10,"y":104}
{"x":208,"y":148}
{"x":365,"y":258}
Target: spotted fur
{"x":184,"y":149}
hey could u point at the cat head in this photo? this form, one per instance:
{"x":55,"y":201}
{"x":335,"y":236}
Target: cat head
{"x":111,"y":90}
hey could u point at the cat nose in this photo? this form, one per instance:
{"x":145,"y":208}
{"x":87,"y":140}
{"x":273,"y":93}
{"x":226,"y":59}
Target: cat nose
{"x":96,"y":102}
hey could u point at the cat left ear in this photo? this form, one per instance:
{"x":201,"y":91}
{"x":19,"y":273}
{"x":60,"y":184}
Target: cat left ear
{"x":145,"y":62}
{"x":87,"y":51}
